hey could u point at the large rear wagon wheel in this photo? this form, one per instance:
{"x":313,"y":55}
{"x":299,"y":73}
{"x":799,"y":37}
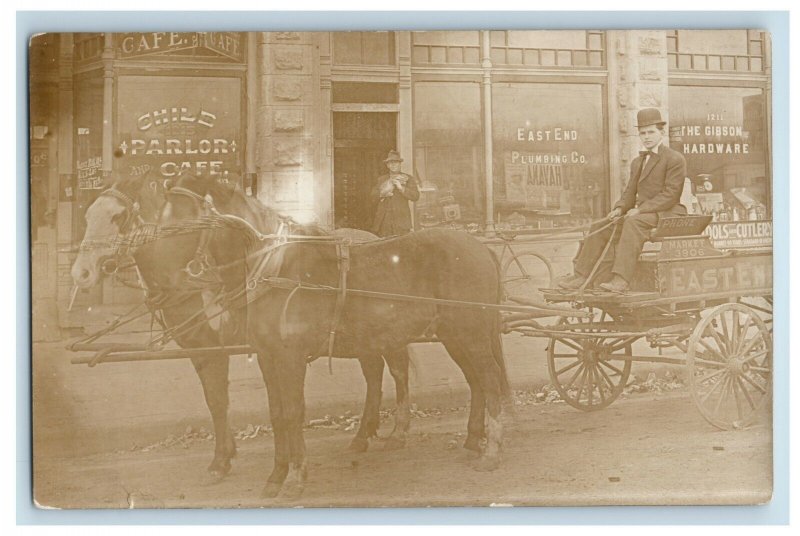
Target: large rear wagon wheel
{"x":588,"y":365}
{"x":730,"y":366}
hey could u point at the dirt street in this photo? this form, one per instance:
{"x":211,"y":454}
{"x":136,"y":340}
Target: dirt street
{"x":647,"y":448}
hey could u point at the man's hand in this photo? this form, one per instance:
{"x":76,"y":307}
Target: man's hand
{"x":387,"y":188}
{"x":397,"y":184}
{"x":614,"y":214}
{"x":632,"y":212}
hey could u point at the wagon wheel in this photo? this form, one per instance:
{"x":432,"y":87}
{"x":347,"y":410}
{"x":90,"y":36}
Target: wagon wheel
{"x":589,"y":372}
{"x":523,"y":274}
{"x":763,"y":305}
{"x":730,"y":366}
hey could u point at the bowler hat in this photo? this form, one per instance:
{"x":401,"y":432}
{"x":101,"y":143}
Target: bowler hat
{"x":649,"y":116}
{"x":394,"y":156}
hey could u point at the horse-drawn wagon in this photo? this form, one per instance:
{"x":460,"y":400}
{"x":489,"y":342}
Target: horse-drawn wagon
{"x":713,"y":306}
{"x":687,"y":295}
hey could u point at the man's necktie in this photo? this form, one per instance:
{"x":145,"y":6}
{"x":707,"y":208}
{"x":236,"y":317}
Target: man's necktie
{"x":645,"y":157}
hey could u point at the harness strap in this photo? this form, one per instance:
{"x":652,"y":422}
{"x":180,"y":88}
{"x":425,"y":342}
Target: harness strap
{"x":180,"y":190}
{"x":343,"y":256}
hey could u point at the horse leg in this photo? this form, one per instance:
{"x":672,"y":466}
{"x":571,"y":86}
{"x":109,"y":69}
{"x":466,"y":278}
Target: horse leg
{"x":213,"y":374}
{"x":294,"y":410}
{"x":370,"y":420}
{"x":490,"y":374}
{"x":280,"y":466}
{"x":476,"y":428}
{"x":398,"y":366}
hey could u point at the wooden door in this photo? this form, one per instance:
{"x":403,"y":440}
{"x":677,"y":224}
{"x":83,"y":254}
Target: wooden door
{"x":361,"y":142}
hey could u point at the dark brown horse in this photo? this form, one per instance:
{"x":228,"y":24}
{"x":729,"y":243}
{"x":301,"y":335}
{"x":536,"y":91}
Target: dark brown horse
{"x":193,"y":195}
{"x":288,"y":325}
{"x":115,"y":215}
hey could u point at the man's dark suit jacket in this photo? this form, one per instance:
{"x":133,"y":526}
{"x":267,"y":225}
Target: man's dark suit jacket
{"x":392,"y":214}
{"x":660,"y":185}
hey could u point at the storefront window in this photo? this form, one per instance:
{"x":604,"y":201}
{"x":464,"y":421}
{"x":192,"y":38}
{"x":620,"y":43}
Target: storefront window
{"x":179,"y":124}
{"x":549,"y":153}
{"x":448,"y":153}
{"x":722,"y":133}
{"x":445,"y":47}
{"x":363,"y":48}
{"x":541,"y":48}
{"x":724,"y":50}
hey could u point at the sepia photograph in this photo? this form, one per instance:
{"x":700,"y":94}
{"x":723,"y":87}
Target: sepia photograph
{"x":278,"y":269}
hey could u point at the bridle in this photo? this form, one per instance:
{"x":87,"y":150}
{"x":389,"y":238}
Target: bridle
{"x":199,"y":264}
{"x":132,"y":215}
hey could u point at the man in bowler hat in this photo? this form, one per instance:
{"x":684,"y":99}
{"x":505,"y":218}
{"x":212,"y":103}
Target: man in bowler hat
{"x":653,"y":192}
{"x":391,"y":195}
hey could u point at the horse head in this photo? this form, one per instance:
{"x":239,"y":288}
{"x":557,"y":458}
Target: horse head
{"x":186,"y":250}
{"x":115,"y":213}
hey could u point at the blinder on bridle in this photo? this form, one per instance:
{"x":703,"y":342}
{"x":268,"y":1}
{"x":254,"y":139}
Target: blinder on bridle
{"x":130,"y":213}
{"x":124,"y":222}
{"x":199,"y":264}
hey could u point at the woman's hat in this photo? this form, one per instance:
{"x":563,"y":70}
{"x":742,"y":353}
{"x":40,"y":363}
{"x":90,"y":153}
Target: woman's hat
{"x":394,"y":156}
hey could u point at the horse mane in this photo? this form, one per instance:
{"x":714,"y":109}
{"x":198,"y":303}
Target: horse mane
{"x":231,"y":198}
{"x":237,"y":211}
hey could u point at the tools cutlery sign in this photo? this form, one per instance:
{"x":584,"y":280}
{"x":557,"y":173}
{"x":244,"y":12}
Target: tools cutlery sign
{"x":180,"y":126}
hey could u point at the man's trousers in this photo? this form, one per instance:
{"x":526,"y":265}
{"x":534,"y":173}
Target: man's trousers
{"x":629,"y":235}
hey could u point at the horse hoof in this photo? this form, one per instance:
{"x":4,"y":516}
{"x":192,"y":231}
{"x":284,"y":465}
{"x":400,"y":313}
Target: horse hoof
{"x":394,"y":443}
{"x":292,"y":491}
{"x":358,"y":444}
{"x":473,"y":443}
{"x":486,"y":463}
{"x":215,"y":476}
{"x":219,"y":470}
{"x":271,"y":490}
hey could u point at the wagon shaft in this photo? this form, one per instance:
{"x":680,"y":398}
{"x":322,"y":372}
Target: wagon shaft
{"x":112,"y":356}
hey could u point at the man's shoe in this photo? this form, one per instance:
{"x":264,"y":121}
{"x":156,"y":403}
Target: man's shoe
{"x":617,"y":284}
{"x":571,"y":282}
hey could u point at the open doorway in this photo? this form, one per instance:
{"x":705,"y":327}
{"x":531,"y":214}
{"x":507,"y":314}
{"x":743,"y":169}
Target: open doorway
{"x":361,"y":142}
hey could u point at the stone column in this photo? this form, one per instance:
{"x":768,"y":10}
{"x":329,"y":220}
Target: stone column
{"x":638,"y":78}
{"x":286,"y":143}
{"x":323,"y":129}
